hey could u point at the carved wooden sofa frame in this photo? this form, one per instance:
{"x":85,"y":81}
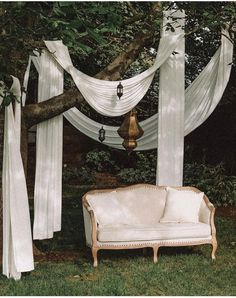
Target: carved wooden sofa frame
{"x":96,"y":245}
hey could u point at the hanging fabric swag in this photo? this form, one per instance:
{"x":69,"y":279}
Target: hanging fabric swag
{"x":100,"y":94}
{"x":205,"y":91}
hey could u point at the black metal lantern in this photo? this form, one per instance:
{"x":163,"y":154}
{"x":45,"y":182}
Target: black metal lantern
{"x":119,"y":90}
{"x":101,"y":134}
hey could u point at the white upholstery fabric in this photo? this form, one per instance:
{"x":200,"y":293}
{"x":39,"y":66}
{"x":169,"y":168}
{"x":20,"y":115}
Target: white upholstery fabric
{"x":204,"y":213}
{"x":107,"y":208}
{"x":168,"y":242}
{"x":170,"y":149}
{"x":88,"y":227}
{"x":182,"y":206}
{"x":142,"y":205}
{"x":17,"y":238}
{"x":161,"y":231}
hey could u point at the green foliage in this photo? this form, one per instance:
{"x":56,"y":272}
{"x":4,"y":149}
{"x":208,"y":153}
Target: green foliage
{"x":220,"y":188}
{"x":143,"y":172}
{"x":6,"y":95}
{"x":82,"y":174}
{"x":101,"y":161}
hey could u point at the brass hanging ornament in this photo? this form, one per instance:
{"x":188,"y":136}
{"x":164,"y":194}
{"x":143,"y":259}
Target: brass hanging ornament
{"x":130,"y":130}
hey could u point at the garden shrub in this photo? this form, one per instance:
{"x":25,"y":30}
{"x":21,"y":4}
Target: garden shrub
{"x":143,"y":172}
{"x":212,"y":180}
{"x":220,"y":188}
{"x":101,"y":161}
{"x":82,"y":174}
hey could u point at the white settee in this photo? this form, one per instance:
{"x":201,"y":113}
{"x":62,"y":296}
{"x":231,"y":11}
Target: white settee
{"x":133,"y":217}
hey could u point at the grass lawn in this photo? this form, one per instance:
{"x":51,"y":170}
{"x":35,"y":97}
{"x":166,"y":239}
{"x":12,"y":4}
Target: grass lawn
{"x":179,"y":271}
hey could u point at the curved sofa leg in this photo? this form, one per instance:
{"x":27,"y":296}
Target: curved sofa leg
{"x":214,"y":248}
{"x":155,"y":252}
{"x":95,"y":257}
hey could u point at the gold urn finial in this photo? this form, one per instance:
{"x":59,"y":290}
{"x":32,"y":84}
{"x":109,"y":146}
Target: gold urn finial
{"x":130,"y":130}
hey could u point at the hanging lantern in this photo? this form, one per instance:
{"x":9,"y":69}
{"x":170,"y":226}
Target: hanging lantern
{"x":101,"y":134}
{"x":130,"y":130}
{"x":119,"y":90}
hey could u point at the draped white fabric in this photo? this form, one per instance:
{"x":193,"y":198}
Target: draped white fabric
{"x":100,"y":94}
{"x":48,"y":176}
{"x":149,"y":140}
{"x":170,"y":147}
{"x":17,"y":238}
{"x":203,"y":92}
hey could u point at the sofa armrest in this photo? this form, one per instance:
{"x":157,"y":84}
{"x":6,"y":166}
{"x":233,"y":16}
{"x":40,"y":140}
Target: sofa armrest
{"x":207,"y":213}
{"x":212,"y":218}
{"x":90,"y":224}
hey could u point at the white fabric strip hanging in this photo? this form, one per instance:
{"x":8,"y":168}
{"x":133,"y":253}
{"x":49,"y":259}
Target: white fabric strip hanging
{"x":100,"y":94}
{"x":48,"y":176}
{"x":17,"y":238}
{"x":171,"y":109}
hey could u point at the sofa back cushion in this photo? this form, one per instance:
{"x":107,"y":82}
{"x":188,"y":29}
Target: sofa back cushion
{"x":107,"y":209}
{"x":182,"y":206}
{"x":142,"y":204}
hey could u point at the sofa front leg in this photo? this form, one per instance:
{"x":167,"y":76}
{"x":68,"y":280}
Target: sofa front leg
{"x":95,"y":257}
{"x":214,"y":248}
{"x":155,"y":252}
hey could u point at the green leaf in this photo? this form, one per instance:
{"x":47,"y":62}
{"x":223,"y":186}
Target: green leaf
{"x":7,"y":99}
{"x":66,"y":4}
{"x":85,"y":47}
{"x":97,"y":37}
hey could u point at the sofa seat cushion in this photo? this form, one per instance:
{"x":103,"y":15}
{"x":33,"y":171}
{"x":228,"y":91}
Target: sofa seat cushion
{"x":161,"y":231}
